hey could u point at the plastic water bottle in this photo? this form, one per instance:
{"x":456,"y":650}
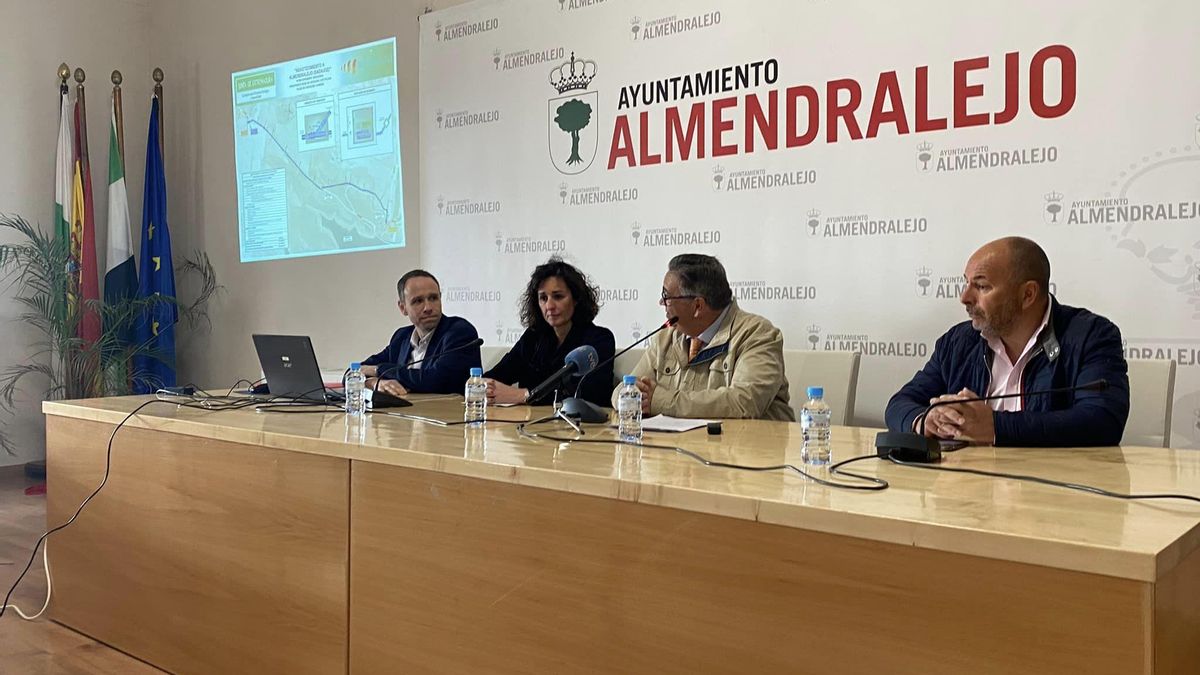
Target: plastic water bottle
{"x":356,"y":401}
{"x":629,"y":411}
{"x":814,"y":423}
{"x":476,"y":399}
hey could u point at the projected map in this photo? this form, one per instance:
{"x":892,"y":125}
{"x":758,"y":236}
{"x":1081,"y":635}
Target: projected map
{"x":317,"y":149}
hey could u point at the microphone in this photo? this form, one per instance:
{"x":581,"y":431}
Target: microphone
{"x":586,"y":411}
{"x":909,"y":446}
{"x":580,"y":360}
{"x":386,"y":400}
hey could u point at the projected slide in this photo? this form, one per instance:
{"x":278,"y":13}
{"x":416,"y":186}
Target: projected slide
{"x":317,"y":148}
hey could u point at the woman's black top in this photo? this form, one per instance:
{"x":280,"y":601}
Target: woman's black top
{"x":537,"y":355}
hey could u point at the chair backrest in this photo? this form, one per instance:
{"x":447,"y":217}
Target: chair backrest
{"x":1151,"y":395}
{"x":836,"y":372}
{"x":625,"y":363}
{"x":492,"y":355}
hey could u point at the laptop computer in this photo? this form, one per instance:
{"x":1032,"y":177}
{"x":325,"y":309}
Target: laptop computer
{"x":290,"y":366}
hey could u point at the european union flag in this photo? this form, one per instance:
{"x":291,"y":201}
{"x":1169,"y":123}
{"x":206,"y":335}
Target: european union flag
{"x":156,"y":329}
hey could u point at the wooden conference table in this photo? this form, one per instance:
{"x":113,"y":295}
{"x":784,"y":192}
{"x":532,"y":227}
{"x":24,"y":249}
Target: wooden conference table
{"x":252,"y":542}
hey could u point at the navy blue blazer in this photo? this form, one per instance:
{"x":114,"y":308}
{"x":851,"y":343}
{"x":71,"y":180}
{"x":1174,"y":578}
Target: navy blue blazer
{"x":1075,"y":348}
{"x":438,"y":374}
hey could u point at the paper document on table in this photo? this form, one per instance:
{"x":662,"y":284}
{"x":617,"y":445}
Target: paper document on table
{"x":665,"y":423}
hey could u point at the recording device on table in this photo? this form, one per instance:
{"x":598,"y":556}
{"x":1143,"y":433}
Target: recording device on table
{"x":908,"y":446}
{"x":381,"y":399}
{"x":576,"y":407}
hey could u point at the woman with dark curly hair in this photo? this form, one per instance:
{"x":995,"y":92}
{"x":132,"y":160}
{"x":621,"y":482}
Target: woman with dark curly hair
{"x":557,"y":310}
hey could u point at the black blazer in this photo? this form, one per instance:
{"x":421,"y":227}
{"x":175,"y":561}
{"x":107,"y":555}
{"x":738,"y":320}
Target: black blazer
{"x":537,"y":355}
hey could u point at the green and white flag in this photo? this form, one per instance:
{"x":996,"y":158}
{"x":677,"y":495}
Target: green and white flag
{"x":120,"y":276}
{"x":64,"y":166}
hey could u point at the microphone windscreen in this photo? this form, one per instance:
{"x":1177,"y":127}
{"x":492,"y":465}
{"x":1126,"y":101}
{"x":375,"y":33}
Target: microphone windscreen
{"x":583,"y":358}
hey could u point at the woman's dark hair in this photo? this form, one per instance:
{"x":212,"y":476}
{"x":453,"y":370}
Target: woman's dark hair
{"x":583,"y":292}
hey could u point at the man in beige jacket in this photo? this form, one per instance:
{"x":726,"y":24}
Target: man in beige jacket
{"x":718,"y":361}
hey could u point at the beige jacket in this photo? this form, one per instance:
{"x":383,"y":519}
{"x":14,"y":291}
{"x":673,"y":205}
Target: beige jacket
{"x":738,"y":374}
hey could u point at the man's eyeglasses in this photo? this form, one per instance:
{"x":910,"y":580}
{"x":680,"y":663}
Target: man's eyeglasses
{"x":664,"y":298}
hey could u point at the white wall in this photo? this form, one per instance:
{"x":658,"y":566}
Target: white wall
{"x":35,"y":37}
{"x":198,"y":44}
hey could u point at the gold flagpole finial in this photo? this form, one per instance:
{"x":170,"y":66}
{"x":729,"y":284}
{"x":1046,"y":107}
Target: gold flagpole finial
{"x":119,"y":115}
{"x":158,"y":93}
{"x":64,"y":72}
{"x":80,"y":76}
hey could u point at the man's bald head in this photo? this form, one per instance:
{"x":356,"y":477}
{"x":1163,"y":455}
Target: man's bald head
{"x":1008,"y":286}
{"x":1025,"y":260}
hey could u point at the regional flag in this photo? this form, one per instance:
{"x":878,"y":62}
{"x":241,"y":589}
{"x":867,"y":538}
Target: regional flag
{"x":64,"y":164}
{"x":120,"y":276}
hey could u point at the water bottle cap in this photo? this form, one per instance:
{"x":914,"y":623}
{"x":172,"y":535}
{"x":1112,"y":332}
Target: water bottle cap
{"x":629,"y":379}
{"x":816,"y":392}
{"x":476,"y":372}
{"x":355,"y":365}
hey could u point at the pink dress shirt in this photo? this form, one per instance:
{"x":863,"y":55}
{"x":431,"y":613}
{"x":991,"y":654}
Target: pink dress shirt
{"x":1006,"y":375}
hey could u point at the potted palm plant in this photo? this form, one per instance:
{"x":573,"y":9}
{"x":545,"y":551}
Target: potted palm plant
{"x":36,"y":268}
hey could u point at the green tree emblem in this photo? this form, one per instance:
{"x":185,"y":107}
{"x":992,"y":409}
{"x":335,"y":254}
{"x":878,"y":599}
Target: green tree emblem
{"x":572,"y":117}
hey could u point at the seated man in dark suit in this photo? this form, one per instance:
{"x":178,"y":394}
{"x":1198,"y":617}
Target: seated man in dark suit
{"x":1019,"y":339}
{"x":424,"y":358}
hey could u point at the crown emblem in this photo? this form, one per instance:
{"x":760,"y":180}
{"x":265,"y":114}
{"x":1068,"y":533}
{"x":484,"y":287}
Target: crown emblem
{"x":813,"y":329}
{"x":573,"y":74}
{"x":924,"y":272}
{"x":925,"y":147}
{"x":718,"y":169}
{"x":814,"y":213}
{"x":1054,"y":196}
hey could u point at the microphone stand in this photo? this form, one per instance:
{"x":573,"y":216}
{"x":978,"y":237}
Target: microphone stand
{"x":561,"y":414}
{"x":586,"y":411}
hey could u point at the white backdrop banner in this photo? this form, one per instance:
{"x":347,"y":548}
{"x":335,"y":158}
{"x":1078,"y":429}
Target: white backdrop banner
{"x":842,"y":159}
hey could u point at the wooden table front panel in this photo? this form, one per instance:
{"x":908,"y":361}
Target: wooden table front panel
{"x":456,"y":574}
{"x":200,"y":556}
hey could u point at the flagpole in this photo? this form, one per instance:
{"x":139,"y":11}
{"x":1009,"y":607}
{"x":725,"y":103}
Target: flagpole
{"x":80,"y":76}
{"x":116,"y":80}
{"x":158,"y":93}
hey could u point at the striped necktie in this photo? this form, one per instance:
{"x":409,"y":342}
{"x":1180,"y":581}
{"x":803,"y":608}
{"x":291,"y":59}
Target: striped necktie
{"x":694,"y":347}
